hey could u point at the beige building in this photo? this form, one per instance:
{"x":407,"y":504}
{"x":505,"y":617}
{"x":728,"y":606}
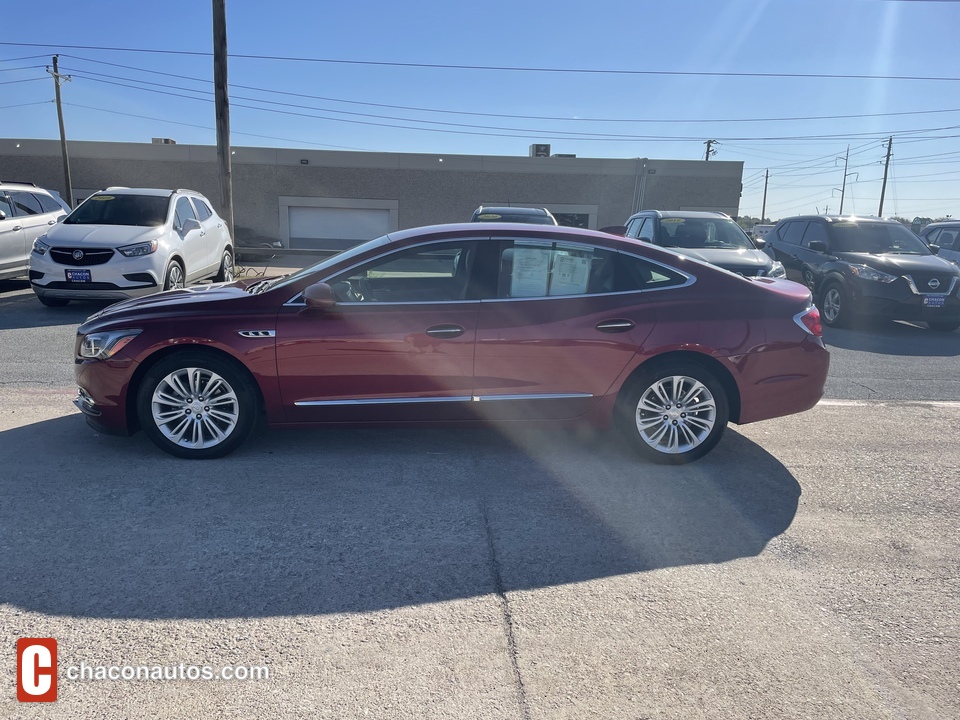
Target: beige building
{"x":332,"y":199}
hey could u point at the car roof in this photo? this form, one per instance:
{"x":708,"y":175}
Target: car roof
{"x":942,"y":223}
{"x":691,"y":214}
{"x":842,"y":218}
{"x":22,"y":186}
{"x":158,"y":192}
{"x":512,"y":210}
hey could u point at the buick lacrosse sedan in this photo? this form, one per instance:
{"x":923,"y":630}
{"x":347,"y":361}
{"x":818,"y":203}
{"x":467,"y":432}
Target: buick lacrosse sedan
{"x":492,"y":323}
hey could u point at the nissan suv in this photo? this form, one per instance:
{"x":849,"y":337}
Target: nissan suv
{"x":125,"y":242}
{"x":868,"y":266}
{"x":26,"y":213}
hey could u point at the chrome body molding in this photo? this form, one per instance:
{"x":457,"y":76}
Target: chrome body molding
{"x":445,"y":399}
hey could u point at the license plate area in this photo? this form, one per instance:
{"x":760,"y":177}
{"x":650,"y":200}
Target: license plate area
{"x":81,"y":276}
{"x":934,"y":301}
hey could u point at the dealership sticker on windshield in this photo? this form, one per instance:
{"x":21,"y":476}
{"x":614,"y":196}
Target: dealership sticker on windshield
{"x":98,"y":198}
{"x":845,"y":224}
{"x":672,"y":220}
{"x":489,"y":216}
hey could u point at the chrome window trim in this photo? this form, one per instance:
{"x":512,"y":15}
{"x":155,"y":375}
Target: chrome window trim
{"x":915,"y":291}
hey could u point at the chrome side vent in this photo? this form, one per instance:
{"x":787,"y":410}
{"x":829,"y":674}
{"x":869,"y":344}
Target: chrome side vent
{"x":256,"y":333}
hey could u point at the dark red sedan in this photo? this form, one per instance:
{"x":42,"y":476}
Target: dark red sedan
{"x":460,"y":323}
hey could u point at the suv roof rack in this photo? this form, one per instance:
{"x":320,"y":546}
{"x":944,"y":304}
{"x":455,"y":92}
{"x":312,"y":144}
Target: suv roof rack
{"x":17,"y":182}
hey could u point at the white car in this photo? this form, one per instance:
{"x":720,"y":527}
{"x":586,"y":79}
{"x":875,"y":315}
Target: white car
{"x":26,"y":213}
{"x":126,"y":242}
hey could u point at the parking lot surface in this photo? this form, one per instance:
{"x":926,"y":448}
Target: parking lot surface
{"x":808,"y":567}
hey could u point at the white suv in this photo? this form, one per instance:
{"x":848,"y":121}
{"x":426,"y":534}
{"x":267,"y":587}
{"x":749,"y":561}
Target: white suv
{"x":26,"y":213}
{"x":125,"y":242}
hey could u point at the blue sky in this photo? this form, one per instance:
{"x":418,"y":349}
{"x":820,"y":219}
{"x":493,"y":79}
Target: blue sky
{"x":500,"y":112}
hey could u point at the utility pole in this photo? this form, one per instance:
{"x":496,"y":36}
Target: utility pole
{"x":886,"y":169}
{"x":763,"y":211}
{"x":57,"y":80}
{"x":222,"y":104}
{"x":710,"y":150}
{"x":843,"y":187}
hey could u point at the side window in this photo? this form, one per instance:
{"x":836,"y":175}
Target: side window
{"x":931,"y":237}
{"x":437,"y":272}
{"x":26,"y":204}
{"x":646,"y":232}
{"x":48,"y":204}
{"x":634,"y":273}
{"x":184,"y":212}
{"x":633,"y":227}
{"x":815,"y":231}
{"x":947,"y":240}
{"x":793,"y":232}
{"x":5,"y":205}
{"x":203,"y":210}
{"x":534,"y":268}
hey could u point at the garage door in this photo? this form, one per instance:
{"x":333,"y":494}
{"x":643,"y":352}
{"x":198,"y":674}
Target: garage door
{"x":335,"y":228}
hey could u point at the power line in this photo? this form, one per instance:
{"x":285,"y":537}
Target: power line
{"x":14,"y":82}
{"x":498,"y":68}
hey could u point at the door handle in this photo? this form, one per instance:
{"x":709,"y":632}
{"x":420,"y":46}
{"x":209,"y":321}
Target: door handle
{"x":445,"y":331}
{"x":17,"y":227}
{"x":615,"y":326}
{"x":51,"y":222}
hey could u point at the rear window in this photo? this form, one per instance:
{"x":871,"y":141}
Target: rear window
{"x":106,"y":209}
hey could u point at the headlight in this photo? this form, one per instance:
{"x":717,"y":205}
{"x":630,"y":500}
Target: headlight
{"x":868,"y":273}
{"x":138,"y":249}
{"x":776,"y":270}
{"x":103,"y":345}
{"x":40,"y":247}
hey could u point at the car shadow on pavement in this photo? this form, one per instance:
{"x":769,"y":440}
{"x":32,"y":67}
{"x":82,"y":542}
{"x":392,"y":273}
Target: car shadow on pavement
{"x":23,"y":310}
{"x":894,"y":338}
{"x":341,"y":521}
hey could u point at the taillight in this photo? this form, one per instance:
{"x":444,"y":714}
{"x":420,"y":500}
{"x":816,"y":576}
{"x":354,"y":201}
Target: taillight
{"x":809,"y":320}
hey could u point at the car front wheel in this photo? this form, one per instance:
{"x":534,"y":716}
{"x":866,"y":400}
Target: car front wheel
{"x":196,"y":405}
{"x":673,"y":413}
{"x":174,"y":279}
{"x":835,"y":306}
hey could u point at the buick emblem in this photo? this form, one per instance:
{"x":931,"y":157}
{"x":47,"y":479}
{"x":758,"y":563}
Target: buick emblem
{"x":78,"y":255}
{"x":934,"y":284}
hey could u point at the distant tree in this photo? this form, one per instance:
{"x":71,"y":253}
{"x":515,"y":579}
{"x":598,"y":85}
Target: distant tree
{"x":901,"y":220}
{"x":944,"y":218}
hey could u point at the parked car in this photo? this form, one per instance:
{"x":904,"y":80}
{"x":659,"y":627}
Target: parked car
{"x":452,"y":324}
{"x":946,"y":236}
{"x":126,"y":242}
{"x":537,"y":216}
{"x":26,"y":213}
{"x":868,"y":266}
{"x":709,"y":236}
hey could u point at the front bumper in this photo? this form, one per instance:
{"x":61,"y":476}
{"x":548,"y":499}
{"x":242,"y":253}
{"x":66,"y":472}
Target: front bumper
{"x":117,"y":279}
{"x":901,"y":301}
{"x":102,"y":394}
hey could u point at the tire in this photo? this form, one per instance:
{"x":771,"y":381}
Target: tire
{"x":226,"y":272}
{"x":943,"y":326}
{"x":835,"y":305}
{"x":175,"y":278}
{"x":671,"y":435}
{"x":177,"y":417}
{"x":52,"y":301}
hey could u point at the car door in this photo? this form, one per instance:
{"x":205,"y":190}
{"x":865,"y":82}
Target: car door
{"x":192,"y":241}
{"x":949,"y":242}
{"x":213,"y":238}
{"x":811,"y":261}
{"x":397,"y":345}
{"x":785,"y":241}
{"x":32,"y":219}
{"x":13,"y":250}
{"x":559,"y":331}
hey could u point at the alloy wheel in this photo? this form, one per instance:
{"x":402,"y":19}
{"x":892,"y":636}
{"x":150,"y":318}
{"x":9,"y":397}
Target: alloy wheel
{"x":195,"y":408}
{"x":831,"y":305}
{"x":676,"y":414}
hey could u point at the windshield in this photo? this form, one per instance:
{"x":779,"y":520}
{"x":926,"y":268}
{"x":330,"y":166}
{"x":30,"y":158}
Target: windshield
{"x":145,"y":210}
{"x":704,"y":233}
{"x":286,"y":280}
{"x":875,"y":238}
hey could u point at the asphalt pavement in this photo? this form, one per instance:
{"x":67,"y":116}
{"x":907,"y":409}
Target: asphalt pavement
{"x":807,"y":568}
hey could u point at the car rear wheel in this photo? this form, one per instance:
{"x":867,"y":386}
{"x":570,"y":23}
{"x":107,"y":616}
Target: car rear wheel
{"x":226,"y":267}
{"x":943,"y":326}
{"x":174,"y":279}
{"x":196,"y":405}
{"x":835,"y":306}
{"x":673,"y":413}
{"x":52,"y":301}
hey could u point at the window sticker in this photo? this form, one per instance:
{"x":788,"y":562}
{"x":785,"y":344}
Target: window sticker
{"x":571,"y":271}
{"x":671,"y":220}
{"x":100,"y":198}
{"x":531,"y":270}
{"x":489,"y":216}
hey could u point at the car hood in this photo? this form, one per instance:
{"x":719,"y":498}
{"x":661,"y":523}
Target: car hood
{"x":747,"y":262}
{"x":168,"y":304}
{"x":100,"y":235}
{"x":898,"y":264}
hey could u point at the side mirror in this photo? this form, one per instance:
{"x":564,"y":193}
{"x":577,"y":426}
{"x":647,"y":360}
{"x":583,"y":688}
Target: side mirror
{"x":934,"y":249}
{"x":319,"y":296}
{"x":190,"y":224}
{"x":818,"y":246}
{"x":760,"y":243}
